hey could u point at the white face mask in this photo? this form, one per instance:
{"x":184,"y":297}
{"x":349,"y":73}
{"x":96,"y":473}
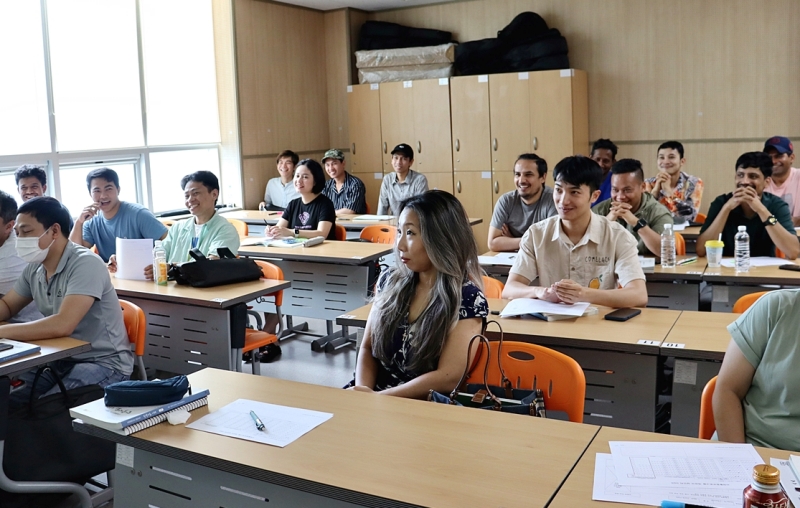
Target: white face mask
{"x":28,"y":249}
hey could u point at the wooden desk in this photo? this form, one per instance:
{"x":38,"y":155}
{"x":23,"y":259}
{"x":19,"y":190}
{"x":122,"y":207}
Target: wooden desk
{"x":697,"y":342}
{"x":327,"y":280}
{"x":577,"y":490}
{"x":51,"y":350}
{"x":728,"y":286}
{"x":191,"y":328}
{"x":620,"y":371}
{"x":375,"y":451}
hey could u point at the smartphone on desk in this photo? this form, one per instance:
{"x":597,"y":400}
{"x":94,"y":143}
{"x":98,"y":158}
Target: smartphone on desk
{"x":5,"y":346}
{"x":622,"y":314}
{"x":792,"y":267}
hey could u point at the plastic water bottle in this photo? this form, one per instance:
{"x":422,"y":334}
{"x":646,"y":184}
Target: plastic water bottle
{"x":667,"y":247}
{"x":742,"y":251}
{"x":160,"y":264}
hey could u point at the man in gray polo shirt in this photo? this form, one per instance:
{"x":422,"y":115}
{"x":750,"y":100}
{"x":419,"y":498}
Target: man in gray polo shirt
{"x":402,"y":184}
{"x":515,"y":211}
{"x":72,"y":288}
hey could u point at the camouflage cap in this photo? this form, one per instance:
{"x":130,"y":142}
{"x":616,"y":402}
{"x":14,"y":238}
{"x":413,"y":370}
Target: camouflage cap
{"x":333,"y":153}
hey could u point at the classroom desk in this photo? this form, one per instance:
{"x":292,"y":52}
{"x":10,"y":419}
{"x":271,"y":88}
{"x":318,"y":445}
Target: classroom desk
{"x":327,"y":280}
{"x":620,"y":360}
{"x":189,"y":328}
{"x":728,"y":286}
{"x":577,"y":489}
{"x":376,"y":451}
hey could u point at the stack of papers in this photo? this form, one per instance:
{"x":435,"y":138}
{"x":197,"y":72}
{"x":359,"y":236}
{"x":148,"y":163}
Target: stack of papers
{"x":522,"y":306}
{"x":756,"y":261}
{"x":373,"y":217}
{"x":705,"y":474}
{"x":499,"y":259}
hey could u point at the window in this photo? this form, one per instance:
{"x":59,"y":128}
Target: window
{"x":167,"y":169}
{"x":75,"y":194}
{"x":9,"y":185}
{"x":25,"y":126}
{"x":95,"y":68}
{"x":179,"y":71}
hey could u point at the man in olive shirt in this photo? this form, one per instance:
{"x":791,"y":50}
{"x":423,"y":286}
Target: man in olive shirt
{"x":638,"y":211}
{"x":766,"y":216}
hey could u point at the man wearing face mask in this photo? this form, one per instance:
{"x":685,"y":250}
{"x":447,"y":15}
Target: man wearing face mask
{"x":72,"y":289}
{"x":11,"y":265}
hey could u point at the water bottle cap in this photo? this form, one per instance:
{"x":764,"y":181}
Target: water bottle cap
{"x":667,"y":226}
{"x":743,"y":228}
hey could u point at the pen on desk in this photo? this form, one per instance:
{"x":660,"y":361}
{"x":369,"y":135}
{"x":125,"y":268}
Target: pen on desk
{"x":257,"y":421}
{"x":678,"y":504}
{"x":687,"y":261}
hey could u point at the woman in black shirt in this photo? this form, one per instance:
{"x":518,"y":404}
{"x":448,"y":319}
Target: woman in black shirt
{"x":312,"y":214}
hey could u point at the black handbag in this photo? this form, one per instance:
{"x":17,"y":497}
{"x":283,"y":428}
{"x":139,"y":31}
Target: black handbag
{"x":207,"y":273}
{"x":42,"y":446}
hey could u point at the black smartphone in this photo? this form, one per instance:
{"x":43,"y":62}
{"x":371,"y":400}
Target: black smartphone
{"x":792,"y":267}
{"x":5,"y":346}
{"x":622,"y":314}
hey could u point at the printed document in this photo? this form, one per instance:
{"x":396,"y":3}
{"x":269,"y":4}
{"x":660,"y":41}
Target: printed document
{"x":132,"y":258}
{"x":282,"y":424}
{"x":499,"y":259}
{"x":521,"y":306}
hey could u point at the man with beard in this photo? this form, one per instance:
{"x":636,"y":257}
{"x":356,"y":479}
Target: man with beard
{"x":766,"y":216}
{"x":530,"y":203}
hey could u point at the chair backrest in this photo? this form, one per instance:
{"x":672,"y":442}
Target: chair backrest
{"x":744,"y":302}
{"x":707,"y":426}
{"x":701,"y":218}
{"x":492,"y":288}
{"x":779,"y":253}
{"x":240,"y":225}
{"x":270,"y":271}
{"x":680,"y":245}
{"x":341,"y":233}
{"x":530,"y":366}
{"x":379,"y":234}
{"x":135,"y":325}
{"x":167,"y":222}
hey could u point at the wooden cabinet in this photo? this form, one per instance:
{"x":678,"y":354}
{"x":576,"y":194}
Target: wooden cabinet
{"x":469,"y":111}
{"x":440,"y":181}
{"x":474,"y":189}
{"x":510,"y":120}
{"x":364,"y":123}
{"x":372,"y":181}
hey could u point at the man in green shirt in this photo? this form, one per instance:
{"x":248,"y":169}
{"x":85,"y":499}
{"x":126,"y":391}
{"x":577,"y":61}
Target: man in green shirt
{"x":632,"y":207}
{"x":756,"y":399}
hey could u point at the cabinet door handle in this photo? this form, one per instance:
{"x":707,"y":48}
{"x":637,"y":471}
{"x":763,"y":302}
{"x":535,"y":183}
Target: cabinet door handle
{"x":535,"y":143}
{"x":384,"y":147}
{"x":354,"y":148}
{"x":419,"y":146}
{"x":494,"y":144}
{"x":458,"y":186}
{"x":496,"y":187}
{"x":458,"y":145}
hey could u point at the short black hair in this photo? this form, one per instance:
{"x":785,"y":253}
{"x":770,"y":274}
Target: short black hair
{"x":578,"y":170}
{"x":624,"y":166}
{"x":316,"y":172}
{"x":606,"y":144}
{"x":671,"y":145}
{"x":290,"y":154}
{"x":47,"y":211}
{"x":107,"y":174}
{"x":8,"y":207}
{"x":758,"y":160}
{"x":541,"y":164}
{"x":206,"y":178}
{"x":29,"y":170}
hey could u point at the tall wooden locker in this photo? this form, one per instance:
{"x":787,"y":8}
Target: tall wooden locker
{"x":364,"y":120}
{"x":510,"y":122}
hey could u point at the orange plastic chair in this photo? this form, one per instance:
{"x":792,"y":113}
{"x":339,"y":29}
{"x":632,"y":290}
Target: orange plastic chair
{"x":256,"y":339}
{"x":492,"y":288}
{"x":341,"y":233}
{"x":530,"y":366}
{"x":241,"y":226}
{"x":707,"y":426}
{"x":379,"y":234}
{"x":167,"y":222}
{"x":701,"y":218}
{"x":744,"y":303}
{"x":136,"y":328}
{"x":680,"y":245}
{"x":779,"y":253}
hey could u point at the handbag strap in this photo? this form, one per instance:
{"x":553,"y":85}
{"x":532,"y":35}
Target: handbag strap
{"x":504,"y":381}
{"x":485,"y":343}
{"x":39,"y":372}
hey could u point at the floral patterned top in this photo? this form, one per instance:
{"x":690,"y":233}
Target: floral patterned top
{"x":685,"y":200}
{"x":394,"y":372}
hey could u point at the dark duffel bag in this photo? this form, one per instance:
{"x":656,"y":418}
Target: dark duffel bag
{"x":385,"y":35}
{"x":207,"y":273}
{"x":550,"y":63}
{"x":480,"y":57}
{"x":525,"y":27}
{"x":553,"y":43}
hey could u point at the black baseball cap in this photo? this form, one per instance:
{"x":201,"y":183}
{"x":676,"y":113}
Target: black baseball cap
{"x":404,"y":150}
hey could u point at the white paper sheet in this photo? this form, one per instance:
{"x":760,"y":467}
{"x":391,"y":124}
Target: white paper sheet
{"x":373,"y":217}
{"x":499,"y":259}
{"x":282,"y":424}
{"x":522,"y":306}
{"x":757,"y":261}
{"x":679,"y":227}
{"x":132,"y":258}
{"x":607,"y":488}
{"x":700,"y":465}
{"x":789,"y":482}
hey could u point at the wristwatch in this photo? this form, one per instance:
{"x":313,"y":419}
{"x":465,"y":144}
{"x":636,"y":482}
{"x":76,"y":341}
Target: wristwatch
{"x":639,"y":225}
{"x":296,"y":232}
{"x":771,"y":221}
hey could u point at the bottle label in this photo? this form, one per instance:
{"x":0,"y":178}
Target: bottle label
{"x":161,"y":273}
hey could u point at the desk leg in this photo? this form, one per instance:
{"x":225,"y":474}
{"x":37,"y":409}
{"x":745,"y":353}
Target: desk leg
{"x":688,"y":381}
{"x":340,"y":339}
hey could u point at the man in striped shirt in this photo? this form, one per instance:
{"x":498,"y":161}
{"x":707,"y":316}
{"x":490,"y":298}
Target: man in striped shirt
{"x":348,"y":193}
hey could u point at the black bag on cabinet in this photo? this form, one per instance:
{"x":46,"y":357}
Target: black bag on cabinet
{"x":525,"y":27}
{"x":385,"y":35}
{"x":480,"y":57}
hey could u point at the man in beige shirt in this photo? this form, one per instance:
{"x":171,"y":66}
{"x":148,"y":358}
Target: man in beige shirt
{"x":578,"y":256}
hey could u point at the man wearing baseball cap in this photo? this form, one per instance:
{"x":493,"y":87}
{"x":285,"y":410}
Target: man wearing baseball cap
{"x":402,"y":184}
{"x":347,"y":192}
{"x":785,"y":182}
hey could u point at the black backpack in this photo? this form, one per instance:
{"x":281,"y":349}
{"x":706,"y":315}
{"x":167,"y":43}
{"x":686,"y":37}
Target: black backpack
{"x":525,"y":27}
